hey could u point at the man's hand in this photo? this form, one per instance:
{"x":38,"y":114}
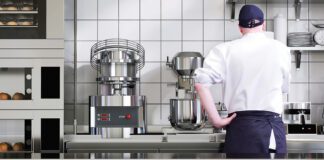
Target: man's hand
{"x":208,"y":104}
{"x":222,"y":122}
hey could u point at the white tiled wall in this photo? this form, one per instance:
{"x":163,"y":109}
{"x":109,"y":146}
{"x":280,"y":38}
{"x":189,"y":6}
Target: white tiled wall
{"x":165,"y":27}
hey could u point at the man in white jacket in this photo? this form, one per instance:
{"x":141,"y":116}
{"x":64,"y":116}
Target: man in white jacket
{"x":255,"y":72}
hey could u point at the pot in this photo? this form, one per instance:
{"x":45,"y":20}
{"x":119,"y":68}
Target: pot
{"x":187,"y":114}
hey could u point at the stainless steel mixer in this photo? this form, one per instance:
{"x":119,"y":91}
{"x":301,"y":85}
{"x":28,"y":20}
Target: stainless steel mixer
{"x":118,"y":110}
{"x":185,"y":111}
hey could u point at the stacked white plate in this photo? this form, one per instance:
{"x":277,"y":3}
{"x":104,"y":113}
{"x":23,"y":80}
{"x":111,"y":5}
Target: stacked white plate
{"x":300,"y":39}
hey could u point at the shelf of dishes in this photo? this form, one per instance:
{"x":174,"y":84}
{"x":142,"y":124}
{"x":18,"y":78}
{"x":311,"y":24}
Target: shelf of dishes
{"x":17,"y":5}
{"x":18,"y":12}
{"x":17,"y":20}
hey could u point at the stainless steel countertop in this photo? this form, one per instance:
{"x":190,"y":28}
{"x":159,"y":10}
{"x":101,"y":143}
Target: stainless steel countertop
{"x":178,"y":143}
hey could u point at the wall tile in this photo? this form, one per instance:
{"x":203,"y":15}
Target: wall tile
{"x":86,"y":73}
{"x":298,"y":93}
{"x":108,"y":9}
{"x":87,"y":30}
{"x":69,"y":9}
{"x":84,"y":50}
{"x":129,"y":30}
{"x":84,"y":91}
{"x":107,"y":30}
{"x":232,"y":30}
{"x":152,"y":50}
{"x":300,"y":75}
{"x":316,"y":93}
{"x":68,"y":51}
{"x":165,"y":115}
{"x":214,"y":9}
{"x":192,"y":9}
{"x":273,"y":9}
{"x":297,"y":26}
{"x":213,"y":30}
{"x":151,"y":72}
{"x":68,"y":92}
{"x":150,"y":30}
{"x":87,"y":10}
{"x":193,"y":30}
{"x":193,"y":46}
{"x":154,"y":116}
{"x":228,"y":10}
{"x":129,"y":9}
{"x":168,"y":92}
{"x":168,"y":75}
{"x":152,"y":92}
{"x":69,"y":30}
{"x":217,"y":93}
{"x":316,"y":10}
{"x":317,"y":114}
{"x":291,"y":9}
{"x":171,"y":9}
{"x":150,"y":9}
{"x":171,"y":30}
{"x":316,"y":72}
{"x":316,"y":56}
{"x":170,"y":49}
{"x":69,"y":72}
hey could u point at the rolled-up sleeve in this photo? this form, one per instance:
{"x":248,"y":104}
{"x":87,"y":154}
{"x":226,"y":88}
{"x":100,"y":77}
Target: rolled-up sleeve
{"x":286,"y":72}
{"x":213,"y":70}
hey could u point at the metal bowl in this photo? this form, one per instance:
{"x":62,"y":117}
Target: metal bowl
{"x":187,"y":114}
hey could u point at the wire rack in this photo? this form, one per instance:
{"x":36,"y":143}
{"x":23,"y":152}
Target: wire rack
{"x":129,"y":46}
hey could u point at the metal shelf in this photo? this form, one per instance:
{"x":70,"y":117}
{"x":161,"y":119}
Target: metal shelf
{"x":315,"y":48}
{"x":18,"y":26}
{"x":18,"y":12}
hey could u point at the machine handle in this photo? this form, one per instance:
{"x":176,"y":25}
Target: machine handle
{"x":168,"y":63}
{"x":302,"y":119}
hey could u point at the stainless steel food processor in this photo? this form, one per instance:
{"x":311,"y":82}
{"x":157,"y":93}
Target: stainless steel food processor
{"x":118,"y":110}
{"x":185,"y":110}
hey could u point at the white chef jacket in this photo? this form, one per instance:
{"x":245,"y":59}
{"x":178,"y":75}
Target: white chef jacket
{"x":254,"y":70}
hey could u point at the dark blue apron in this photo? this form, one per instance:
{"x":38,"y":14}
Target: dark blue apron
{"x":249,"y":133}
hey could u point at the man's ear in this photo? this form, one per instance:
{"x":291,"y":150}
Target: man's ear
{"x":264,"y":26}
{"x":241,"y":30}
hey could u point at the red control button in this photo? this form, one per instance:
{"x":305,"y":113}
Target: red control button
{"x":104,"y":119}
{"x":104,"y":115}
{"x":128,"y":116}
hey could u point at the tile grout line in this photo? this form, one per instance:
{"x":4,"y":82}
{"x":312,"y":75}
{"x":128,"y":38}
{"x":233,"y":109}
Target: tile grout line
{"x":161,"y":50}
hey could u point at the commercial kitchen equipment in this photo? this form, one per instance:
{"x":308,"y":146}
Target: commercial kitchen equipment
{"x":185,"y":110}
{"x":118,"y":110}
{"x":297,"y":118}
{"x":32,"y":67}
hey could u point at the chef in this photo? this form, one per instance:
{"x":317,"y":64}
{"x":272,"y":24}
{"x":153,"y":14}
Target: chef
{"x":255,"y":72}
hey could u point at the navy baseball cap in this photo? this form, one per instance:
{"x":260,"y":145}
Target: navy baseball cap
{"x":250,"y":16}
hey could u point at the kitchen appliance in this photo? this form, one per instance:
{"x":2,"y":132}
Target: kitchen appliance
{"x":185,"y":110}
{"x":32,"y":73}
{"x":297,"y":117}
{"x":118,"y":107}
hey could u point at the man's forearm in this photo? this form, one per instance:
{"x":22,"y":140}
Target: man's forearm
{"x":208,"y":103}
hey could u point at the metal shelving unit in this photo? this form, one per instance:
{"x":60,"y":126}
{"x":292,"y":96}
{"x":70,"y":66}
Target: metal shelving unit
{"x":18,"y":12}
{"x":315,"y":48}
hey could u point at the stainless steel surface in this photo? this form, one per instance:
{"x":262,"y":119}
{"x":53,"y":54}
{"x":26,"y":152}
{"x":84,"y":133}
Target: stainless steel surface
{"x":181,"y":142}
{"x":187,"y":114}
{"x":117,"y":61}
{"x":302,"y":109}
{"x":185,"y":110}
{"x":185,"y":63}
{"x":117,"y":50}
{"x":117,"y":101}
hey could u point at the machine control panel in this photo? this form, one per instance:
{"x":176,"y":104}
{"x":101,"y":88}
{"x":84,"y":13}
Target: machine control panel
{"x":117,"y":116}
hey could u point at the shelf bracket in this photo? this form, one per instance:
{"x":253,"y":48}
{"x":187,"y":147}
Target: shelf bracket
{"x":297,"y":5}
